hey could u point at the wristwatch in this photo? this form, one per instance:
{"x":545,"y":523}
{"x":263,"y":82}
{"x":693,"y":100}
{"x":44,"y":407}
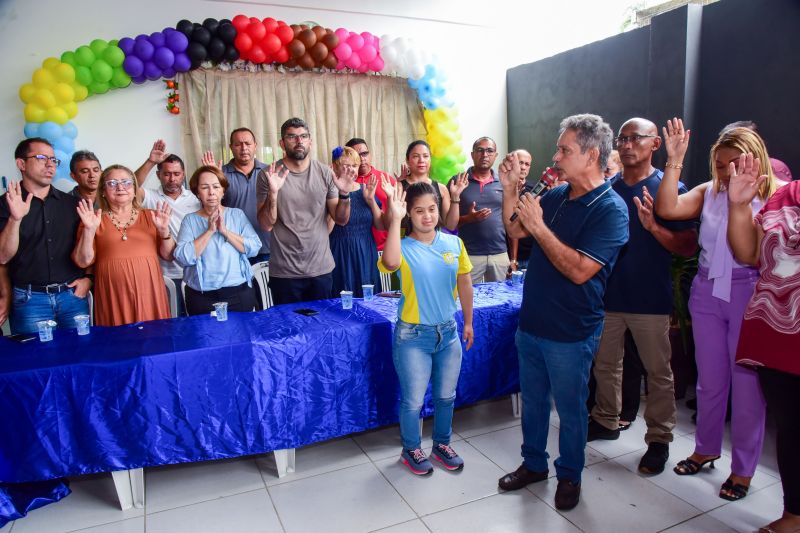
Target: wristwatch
{"x":344,"y":196}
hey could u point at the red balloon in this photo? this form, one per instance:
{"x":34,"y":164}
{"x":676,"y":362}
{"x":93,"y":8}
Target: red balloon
{"x":285,"y":34}
{"x":257,"y":55}
{"x":271,"y":43}
{"x":282,"y":55}
{"x":257,"y":31}
{"x":270,"y":24}
{"x":240,"y":22}
{"x":243,"y":42}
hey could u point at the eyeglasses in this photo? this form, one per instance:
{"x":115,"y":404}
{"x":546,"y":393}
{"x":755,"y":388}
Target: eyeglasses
{"x":295,"y":137}
{"x":633,"y":139}
{"x":365,"y":153}
{"x":44,"y":159}
{"x":482,"y":151}
{"x":116,"y":184}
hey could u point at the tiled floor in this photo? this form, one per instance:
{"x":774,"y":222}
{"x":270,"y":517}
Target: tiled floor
{"x":356,"y":484}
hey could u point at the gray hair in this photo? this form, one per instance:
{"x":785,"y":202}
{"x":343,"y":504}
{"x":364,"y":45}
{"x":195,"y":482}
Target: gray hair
{"x":590,"y":132}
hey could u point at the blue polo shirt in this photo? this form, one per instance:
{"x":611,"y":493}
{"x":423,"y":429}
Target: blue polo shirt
{"x":596,"y":225}
{"x":641,"y":282}
{"x":241,"y":194}
{"x":487,"y":237}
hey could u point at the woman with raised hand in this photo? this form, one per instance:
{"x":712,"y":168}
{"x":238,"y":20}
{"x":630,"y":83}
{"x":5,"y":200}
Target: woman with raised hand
{"x":433,"y":268}
{"x":123,"y":242}
{"x":214,"y":243}
{"x":770,"y":336}
{"x":720,"y":292}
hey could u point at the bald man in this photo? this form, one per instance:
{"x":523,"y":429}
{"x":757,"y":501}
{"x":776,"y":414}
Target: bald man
{"x":519,"y":254}
{"x":639,"y":298}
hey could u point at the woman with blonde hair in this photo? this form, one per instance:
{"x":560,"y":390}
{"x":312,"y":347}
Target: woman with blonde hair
{"x":720,"y":292}
{"x":123,"y":242}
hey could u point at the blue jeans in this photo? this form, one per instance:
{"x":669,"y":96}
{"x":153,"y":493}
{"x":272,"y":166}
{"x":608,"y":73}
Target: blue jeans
{"x":29,"y":307}
{"x":419,"y":353}
{"x":560,"y":369}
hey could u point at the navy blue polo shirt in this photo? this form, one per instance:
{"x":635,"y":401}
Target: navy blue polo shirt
{"x":596,"y":225}
{"x":641,"y":282}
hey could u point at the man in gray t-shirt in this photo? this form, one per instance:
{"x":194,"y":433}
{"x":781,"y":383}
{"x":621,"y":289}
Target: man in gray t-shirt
{"x":295,"y":196}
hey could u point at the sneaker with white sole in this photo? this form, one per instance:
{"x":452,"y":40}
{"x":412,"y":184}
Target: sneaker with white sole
{"x":447,"y":456}
{"x":416,"y":461}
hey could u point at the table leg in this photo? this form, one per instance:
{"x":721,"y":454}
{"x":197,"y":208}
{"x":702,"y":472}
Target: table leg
{"x":516,"y":404}
{"x":130,"y":488}
{"x":284,"y":461}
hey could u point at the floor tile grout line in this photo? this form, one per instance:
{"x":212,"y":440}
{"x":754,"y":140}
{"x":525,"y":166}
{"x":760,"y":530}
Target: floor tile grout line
{"x":98,"y":525}
{"x":269,"y":495}
{"x":395,"y":489}
{"x":202,"y":501}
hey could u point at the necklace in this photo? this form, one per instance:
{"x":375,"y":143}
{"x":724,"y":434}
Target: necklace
{"x":123,"y":229}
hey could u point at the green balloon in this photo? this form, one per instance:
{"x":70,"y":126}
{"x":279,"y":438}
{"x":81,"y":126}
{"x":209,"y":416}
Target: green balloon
{"x":84,"y":56}
{"x":68,"y":57}
{"x":99,"y":87}
{"x":101,"y":71}
{"x":114,"y":56}
{"x":113,"y":42}
{"x":98,"y":46}
{"x":83,"y":75}
{"x":120,"y":79}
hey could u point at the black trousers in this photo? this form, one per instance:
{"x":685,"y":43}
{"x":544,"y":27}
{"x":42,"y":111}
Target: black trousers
{"x":782,"y":392}
{"x":240,"y":298}
{"x":292,"y":290}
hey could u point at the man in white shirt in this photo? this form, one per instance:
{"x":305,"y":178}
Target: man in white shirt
{"x":172,"y":175}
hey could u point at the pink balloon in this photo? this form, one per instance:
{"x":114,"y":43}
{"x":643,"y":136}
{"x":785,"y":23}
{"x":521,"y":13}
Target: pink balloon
{"x":368,"y":38}
{"x":343,"y":51}
{"x":364,"y":67}
{"x":342,"y":34}
{"x":353,"y":61}
{"x":340,"y":65}
{"x":377,"y":64}
{"x":367,"y":53}
{"x":355,"y":41}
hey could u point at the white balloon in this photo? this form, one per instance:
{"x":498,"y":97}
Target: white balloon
{"x":416,"y":71}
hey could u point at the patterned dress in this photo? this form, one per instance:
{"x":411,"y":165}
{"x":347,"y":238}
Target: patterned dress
{"x":354,"y":250}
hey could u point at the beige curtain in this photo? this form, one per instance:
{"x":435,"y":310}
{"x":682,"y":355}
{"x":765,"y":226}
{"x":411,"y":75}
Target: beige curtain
{"x":337,"y":106}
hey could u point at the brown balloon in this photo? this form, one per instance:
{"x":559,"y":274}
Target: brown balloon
{"x":308,"y":38}
{"x":291,"y":63}
{"x":296,"y":29}
{"x":330,"y":61}
{"x":319,"y":31}
{"x":319,"y":52}
{"x":306,"y":61}
{"x":296,"y":48}
{"x":331,"y":40}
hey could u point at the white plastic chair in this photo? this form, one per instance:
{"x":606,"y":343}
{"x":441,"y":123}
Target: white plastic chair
{"x":261,"y":276}
{"x":386,"y":278}
{"x":172,"y":296}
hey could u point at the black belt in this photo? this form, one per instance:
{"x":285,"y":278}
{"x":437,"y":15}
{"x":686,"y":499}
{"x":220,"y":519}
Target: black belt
{"x":52,"y":288}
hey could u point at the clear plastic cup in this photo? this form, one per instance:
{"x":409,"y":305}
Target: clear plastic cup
{"x":368,"y":292}
{"x":516,"y":277}
{"x":46,"y":329}
{"x":347,"y":299}
{"x":524,"y":273}
{"x":82,"y":323}
{"x":221,"y":308}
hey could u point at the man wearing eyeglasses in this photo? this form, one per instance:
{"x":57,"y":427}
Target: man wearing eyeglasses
{"x":639,"y":298}
{"x":296,"y":195}
{"x":365,"y":172}
{"x":480,"y":224}
{"x":38,"y":225}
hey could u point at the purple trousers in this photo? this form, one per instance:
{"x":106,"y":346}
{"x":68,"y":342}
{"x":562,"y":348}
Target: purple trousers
{"x":716,"y":325}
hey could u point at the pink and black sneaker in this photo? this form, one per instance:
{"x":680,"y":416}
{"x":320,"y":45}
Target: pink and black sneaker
{"x":447,"y":456}
{"x":417,"y":462}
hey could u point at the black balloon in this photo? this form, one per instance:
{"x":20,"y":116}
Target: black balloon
{"x":224,"y":21}
{"x":227,"y":33}
{"x":196,"y":25}
{"x":231,"y":53}
{"x":196,"y":52}
{"x":185,"y":27}
{"x":211,"y":25}
{"x":216,"y":49}
{"x":202,"y":36}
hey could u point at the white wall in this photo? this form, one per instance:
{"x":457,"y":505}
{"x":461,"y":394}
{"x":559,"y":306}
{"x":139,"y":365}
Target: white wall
{"x":476,"y":41}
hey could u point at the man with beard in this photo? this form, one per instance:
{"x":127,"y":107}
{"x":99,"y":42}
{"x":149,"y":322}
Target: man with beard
{"x":480,"y":224}
{"x":295,"y":196}
{"x":85,"y":169}
{"x":172,"y":175}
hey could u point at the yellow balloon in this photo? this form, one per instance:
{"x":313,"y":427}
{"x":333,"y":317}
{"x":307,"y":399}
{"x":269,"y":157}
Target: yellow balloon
{"x":34,"y":113}
{"x":44,"y":98}
{"x":43,"y":79}
{"x":64,"y":93}
{"x":64,"y":72}
{"x":50,"y":63}
{"x":26,"y":92}
{"x":81,"y":92}
{"x":57,"y":115}
{"x":71,"y":108}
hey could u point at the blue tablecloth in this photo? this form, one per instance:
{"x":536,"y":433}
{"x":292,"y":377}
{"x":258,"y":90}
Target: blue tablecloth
{"x":193,"y":389}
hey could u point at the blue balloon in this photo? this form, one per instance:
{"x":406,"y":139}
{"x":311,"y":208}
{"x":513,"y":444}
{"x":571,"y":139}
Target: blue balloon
{"x":414,"y":84}
{"x":31,"y":129}
{"x":70,"y":130}
{"x":64,"y":144}
{"x":63,"y":169}
{"x":50,"y":131}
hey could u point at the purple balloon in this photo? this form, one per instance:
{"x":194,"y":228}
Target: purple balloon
{"x":133,"y":66}
{"x":126,"y":44}
{"x":151,"y":70}
{"x":164,"y":58}
{"x":142,"y":37}
{"x":157,"y":39}
{"x":139,"y":79}
{"x":143,"y":49}
{"x":168,"y":73}
{"x":182,"y":62}
{"x":177,"y":41}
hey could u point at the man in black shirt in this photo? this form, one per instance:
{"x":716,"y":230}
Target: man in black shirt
{"x":38,"y":225}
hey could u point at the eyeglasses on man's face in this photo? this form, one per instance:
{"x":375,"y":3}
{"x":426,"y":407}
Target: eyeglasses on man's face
{"x":633,"y":139}
{"x":45,"y":159}
{"x":482,"y":151}
{"x":116,"y":184}
{"x":294,"y":137}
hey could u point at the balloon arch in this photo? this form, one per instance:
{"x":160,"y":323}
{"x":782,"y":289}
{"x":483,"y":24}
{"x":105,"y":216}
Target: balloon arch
{"x":51,"y":99}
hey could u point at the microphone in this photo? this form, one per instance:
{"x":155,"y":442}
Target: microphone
{"x":549,"y":177}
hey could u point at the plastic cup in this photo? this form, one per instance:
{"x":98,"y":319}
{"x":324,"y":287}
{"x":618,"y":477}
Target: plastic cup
{"x":46,"y":330}
{"x":82,"y":322}
{"x":221,"y":308}
{"x":368,"y":292}
{"x":516,"y":277}
{"x":524,"y":273}
{"x":347,"y":299}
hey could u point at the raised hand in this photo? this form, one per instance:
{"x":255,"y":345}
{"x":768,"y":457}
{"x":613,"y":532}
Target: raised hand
{"x":89,"y":217}
{"x":387,"y":187}
{"x":344,"y":181}
{"x":158,"y":153}
{"x":398,"y":203}
{"x":369,"y":188}
{"x":404,"y":173}
{"x":276,"y":178}
{"x":17,"y":207}
{"x":744,"y":179}
{"x":676,"y":140}
{"x":161,"y":218}
{"x":509,"y":172}
{"x":479,"y":215}
{"x":458,"y":185}
{"x":644,"y":208}
{"x":208,"y":160}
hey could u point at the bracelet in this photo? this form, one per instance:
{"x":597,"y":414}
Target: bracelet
{"x":169,"y":236}
{"x":455,"y":201}
{"x":677,"y":166}
{"x":514,"y":261}
{"x":344,"y":196}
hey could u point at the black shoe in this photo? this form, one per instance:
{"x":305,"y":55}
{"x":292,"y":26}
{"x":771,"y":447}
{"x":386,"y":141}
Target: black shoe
{"x":520,"y":478}
{"x":597,"y":431}
{"x":654,"y":458}
{"x":568,"y":494}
